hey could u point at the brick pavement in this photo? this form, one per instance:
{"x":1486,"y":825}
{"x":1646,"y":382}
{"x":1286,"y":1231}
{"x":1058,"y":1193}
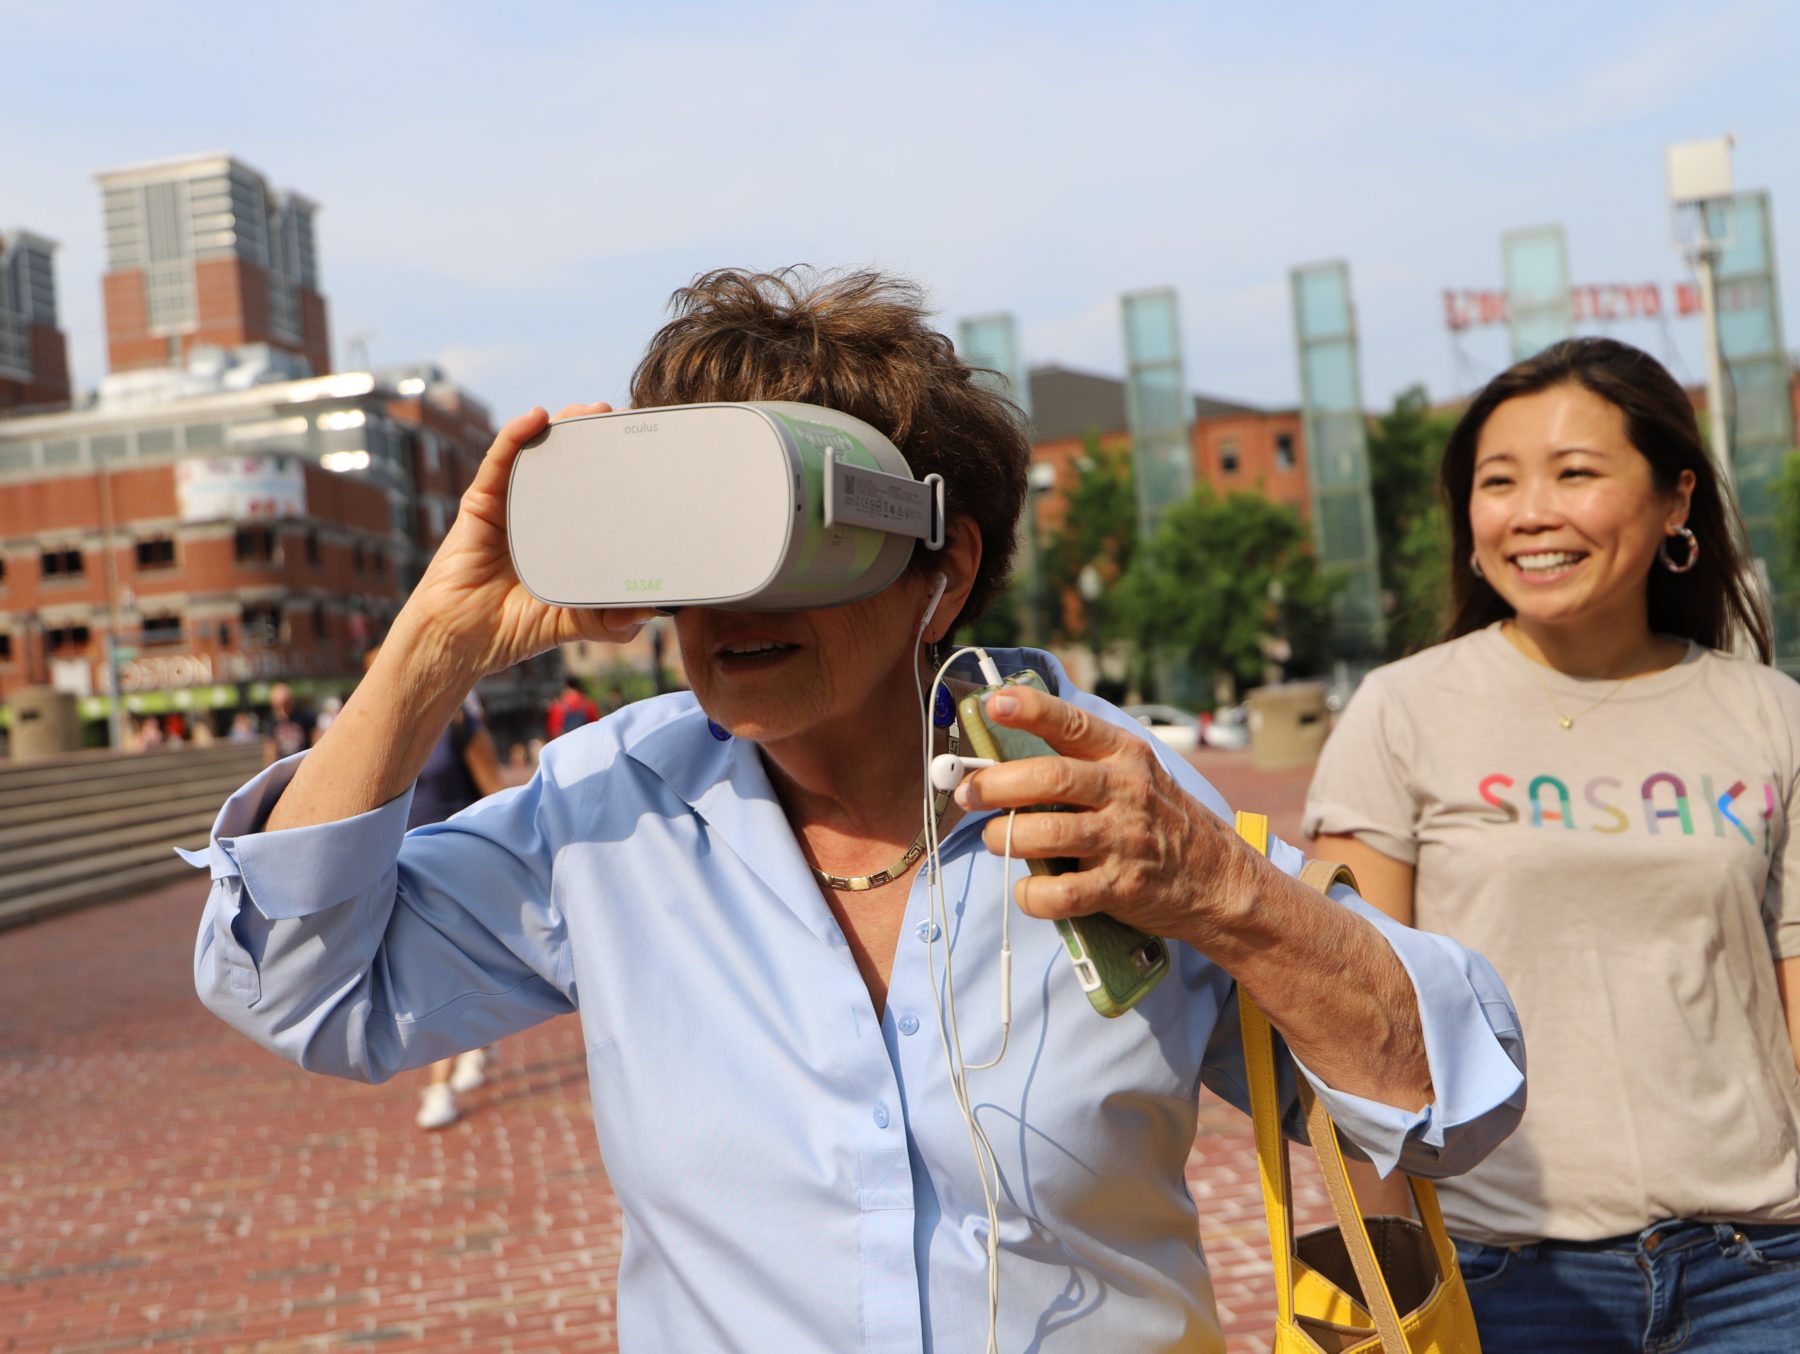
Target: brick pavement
{"x":164,"y":1183}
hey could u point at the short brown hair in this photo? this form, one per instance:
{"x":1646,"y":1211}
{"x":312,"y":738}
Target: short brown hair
{"x":1705,"y":605}
{"x":860,"y":343}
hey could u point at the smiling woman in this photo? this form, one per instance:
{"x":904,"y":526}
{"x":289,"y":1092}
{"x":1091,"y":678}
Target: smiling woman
{"x":1581,"y":782}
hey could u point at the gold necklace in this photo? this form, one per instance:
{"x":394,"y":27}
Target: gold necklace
{"x":862,"y":883}
{"x":1568,"y":721}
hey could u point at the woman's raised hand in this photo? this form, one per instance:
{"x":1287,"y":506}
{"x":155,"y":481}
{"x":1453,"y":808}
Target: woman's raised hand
{"x":470,"y":606}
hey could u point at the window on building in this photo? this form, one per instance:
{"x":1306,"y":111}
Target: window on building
{"x":312,"y":548}
{"x":63,"y":639}
{"x":318,"y":620}
{"x":156,"y":441}
{"x":158,"y":552}
{"x":2,"y":571}
{"x":261,"y":625}
{"x":381,"y":562}
{"x":65,"y":451}
{"x":1284,"y":451}
{"x":162,"y":630}
{"x":356,"y":557}
{"x":1228,"y":457}
{"x":224,"y":633}
{"x":62,"y":564}
{"x":255,"y":545}
{"x":5,"y":647}
{"x":108,"y":448}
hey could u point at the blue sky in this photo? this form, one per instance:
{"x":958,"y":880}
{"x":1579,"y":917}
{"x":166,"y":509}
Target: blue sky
{"x":514,"y":191}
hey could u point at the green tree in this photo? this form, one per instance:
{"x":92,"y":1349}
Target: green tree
{"x":1099,"y":527}
{"x":1406,"y":446}
{"x":1786,"y":493}
{"x":998,"y":627}
{"x":1228,"y":585}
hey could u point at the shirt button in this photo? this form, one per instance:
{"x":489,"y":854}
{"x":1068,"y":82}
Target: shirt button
{"x":928,"y":931}
{"x":881,"y":1114}
{"x":909,"y":1023}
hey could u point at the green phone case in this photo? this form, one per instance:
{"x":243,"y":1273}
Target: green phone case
{"x":1115,"y":964}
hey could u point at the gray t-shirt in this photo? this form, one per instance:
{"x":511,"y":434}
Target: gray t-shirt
{"x":1626,"y":877}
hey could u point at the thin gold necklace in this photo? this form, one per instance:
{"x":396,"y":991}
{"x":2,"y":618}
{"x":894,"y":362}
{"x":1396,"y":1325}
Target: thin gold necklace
{"x":1568,"y":721}
{"x":862,"y":883}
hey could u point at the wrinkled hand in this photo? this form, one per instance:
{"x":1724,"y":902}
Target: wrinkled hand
{"x":1150,"y":854}
{"x":470,"y":604}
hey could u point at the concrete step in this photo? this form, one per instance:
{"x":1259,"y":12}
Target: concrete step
{"x":28,"y":785}
{"x":95,"y":826}
{"x":173,"y":827}
{"x":124,"y":882}
{"x":19,"y":822}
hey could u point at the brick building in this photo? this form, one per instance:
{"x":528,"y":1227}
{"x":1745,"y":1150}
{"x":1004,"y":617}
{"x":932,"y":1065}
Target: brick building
{"x":239,"y":536}
{"x":34,"y":359}
{"x":1237,"y":447}
{"x":200,"y":251}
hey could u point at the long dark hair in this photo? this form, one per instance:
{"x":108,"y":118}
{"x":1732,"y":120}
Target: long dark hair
{"x":1707,"y":603}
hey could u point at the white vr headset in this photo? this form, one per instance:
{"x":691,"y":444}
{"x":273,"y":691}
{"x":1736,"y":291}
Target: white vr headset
{"x":764,"y":506}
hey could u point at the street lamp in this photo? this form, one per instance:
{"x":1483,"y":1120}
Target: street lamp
{"x":1041,"y":479}
{"x":1092,"y":588}
{"x":1700,"y":197}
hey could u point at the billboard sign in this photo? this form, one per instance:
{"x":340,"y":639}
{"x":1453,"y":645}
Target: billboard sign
{"x":239,"y":488}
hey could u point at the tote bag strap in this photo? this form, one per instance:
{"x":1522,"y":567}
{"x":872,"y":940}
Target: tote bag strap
{"x":1323,"y":875}
{"x":1271,"y":1148}
{"x":1265,"y":1114}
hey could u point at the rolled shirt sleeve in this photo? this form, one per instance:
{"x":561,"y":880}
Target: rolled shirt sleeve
{"x":354,"y":949}
{"x":1473,"y":1045}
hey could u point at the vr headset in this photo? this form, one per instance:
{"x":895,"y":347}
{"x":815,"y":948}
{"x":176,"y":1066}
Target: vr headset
{"x":763,"y":506}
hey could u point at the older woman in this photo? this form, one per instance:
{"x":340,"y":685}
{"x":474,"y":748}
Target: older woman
{"x":693,"y":875}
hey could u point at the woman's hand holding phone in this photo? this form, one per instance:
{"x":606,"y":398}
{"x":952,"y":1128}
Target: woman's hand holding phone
{"x":1148,"y":853}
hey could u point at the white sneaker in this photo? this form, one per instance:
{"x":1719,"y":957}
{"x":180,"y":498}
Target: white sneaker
{"x":470,"y":1071}
{"x":437,"y":1108}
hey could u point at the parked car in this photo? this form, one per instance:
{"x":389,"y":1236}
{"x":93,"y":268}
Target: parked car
{"x":1229,"y":727}
{"x":1177,"y":728}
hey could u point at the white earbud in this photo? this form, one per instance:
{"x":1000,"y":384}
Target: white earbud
{"x":947,"y":769}
{"x":937,"y":595}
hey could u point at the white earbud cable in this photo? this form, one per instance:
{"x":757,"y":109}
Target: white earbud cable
{"x":986,"y":1163}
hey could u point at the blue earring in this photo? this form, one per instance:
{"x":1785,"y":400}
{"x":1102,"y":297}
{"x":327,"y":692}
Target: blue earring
{"x":943,"y":710}
{"x":718,"y":731}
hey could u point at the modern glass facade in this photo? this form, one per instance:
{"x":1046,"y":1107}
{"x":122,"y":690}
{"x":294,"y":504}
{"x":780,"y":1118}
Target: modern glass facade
{"x":1343,"y":513}
{"x":1538,"y":312}
{"x":1158,"y":409}
{"x":991,"y":343}
{"x":27,"y":298}
{"x":164,"y":218}
{"x":1759,"y":405}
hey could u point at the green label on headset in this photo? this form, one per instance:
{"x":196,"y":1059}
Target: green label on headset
{"x":843,"y":551}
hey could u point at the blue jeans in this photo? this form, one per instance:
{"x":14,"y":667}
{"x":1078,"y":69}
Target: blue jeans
{"x":1698,"y":1287}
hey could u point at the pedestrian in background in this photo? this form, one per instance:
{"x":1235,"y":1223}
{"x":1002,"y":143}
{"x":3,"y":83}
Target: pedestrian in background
{"x":463,"y":767}
{"x":1583,"y":784}
{"x":573,"y":708}
{"x":290,"y":725}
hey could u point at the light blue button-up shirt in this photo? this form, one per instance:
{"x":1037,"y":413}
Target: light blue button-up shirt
{"x":793,"y":1170}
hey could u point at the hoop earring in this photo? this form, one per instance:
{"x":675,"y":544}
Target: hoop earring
{"x":1693,"y":551}
{"x":1475,"y":565}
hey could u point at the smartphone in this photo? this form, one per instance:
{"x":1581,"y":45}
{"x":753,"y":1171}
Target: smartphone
{"x":1117,"y":965}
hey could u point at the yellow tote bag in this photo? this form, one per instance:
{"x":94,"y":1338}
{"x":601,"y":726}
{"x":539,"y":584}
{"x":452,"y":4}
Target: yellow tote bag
{"x":1332,"y":1292}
